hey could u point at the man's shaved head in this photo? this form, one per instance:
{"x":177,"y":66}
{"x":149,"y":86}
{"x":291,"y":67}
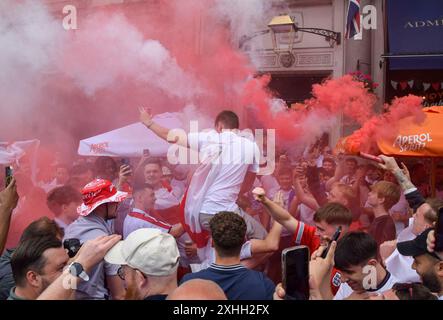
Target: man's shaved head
{"x":198,"y":289}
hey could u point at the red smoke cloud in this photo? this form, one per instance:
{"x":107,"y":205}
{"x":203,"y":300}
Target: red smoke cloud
{"x":385,"y":125}
{"x":62,"y":86}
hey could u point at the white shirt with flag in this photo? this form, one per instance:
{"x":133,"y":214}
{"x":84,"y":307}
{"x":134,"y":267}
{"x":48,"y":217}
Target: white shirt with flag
{"x":225,"y":158}
{"x":345,"y":290}
{"x":238,"y":156}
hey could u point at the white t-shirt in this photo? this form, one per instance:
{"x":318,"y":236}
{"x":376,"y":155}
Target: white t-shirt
{"x":400,"y":266}
{"x":345,"y":290}
{"x":402,"y":207}
{"x":165,"y":199}
{"x":238,"y":155}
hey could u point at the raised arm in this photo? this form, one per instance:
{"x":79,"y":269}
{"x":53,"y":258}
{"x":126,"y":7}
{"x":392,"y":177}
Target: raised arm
{"x":162,"y":132}
{"x":339,"y":173}
{"x":8,"y":201}
{"x":413,"y":196}
{"x":278,"y":213}
{"x":302,"y":195}
{"x":391,"y":165}
{"x":268,"y":244}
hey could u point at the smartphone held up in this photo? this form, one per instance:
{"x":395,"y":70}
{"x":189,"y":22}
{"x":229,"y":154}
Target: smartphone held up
{"x":295,"y":273}
{"x":9,"y":172}
{"x":334,"y":238}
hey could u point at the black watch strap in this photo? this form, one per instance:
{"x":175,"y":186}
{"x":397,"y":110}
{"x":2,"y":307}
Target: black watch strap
{"x":77,"y":270}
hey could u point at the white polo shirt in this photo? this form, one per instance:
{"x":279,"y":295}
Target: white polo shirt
{"x":399,"y":265}
{"x":238,"y":155}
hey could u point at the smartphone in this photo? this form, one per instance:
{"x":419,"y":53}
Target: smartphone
{"x":334,"y":238}
{"x":126,"y":162}
{"x":146,"y":152}
{"x":439,"y":231}
{"x":295,"y":273}
{"x":8,"y":175}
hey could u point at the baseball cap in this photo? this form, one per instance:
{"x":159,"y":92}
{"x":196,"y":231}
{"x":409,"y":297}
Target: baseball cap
{"x":417,"y":246}
{"x":98,"y":192}
{"x":149,"y":250}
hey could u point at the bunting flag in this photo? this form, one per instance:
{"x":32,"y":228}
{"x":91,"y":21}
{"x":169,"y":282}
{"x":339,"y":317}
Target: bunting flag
{"x":403,"y":85}
{"x":436,"y":86}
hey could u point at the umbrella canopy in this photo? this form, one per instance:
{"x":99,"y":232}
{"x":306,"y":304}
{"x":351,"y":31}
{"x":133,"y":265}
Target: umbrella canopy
{"x":417,"y":140}
{"x":423,"y":139}
{"x":130,"y":141}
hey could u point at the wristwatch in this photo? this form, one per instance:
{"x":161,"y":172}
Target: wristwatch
{"x":76,"y":269}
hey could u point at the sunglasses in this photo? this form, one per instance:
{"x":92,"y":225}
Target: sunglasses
{"x":122,"y":274}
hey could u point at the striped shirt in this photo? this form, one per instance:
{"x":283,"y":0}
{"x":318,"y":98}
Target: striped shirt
{"x":138,"y":219}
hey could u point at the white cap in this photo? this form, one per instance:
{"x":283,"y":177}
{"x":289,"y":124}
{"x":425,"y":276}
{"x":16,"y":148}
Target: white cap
{"x":149,"y":250}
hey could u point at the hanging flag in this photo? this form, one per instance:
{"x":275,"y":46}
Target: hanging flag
{"x":394,"y":84}
{"x":426,"y":86}
{"x":436,"y":86}
{"x":353,"y":26}
{"x":403,"y":85}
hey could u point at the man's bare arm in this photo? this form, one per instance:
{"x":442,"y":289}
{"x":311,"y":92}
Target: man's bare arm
{"x":8,"y":201}
{"x":90,"y":254}
{"x":391,"y":165}
{"x":278,"y":213}
{"x":268,"y":244}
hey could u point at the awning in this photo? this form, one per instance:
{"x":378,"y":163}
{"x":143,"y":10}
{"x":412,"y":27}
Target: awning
{"x":415,"y":33}
{"x":417,"y":140}
{"x":424,"y":139}
{"x":130,"y":141}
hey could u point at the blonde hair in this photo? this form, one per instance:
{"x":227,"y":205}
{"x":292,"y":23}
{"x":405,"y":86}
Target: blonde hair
{"x":389,"y":191}
{"x":347,"y":191}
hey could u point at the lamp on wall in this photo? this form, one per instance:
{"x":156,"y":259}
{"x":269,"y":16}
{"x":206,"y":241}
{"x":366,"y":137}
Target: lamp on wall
{"x":283,"y":29}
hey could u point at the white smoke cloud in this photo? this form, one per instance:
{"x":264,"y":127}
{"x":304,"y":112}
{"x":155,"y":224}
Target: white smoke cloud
{"x":29,"y":38}
{"x":244,"y":16}
{"x":113,"y":49}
